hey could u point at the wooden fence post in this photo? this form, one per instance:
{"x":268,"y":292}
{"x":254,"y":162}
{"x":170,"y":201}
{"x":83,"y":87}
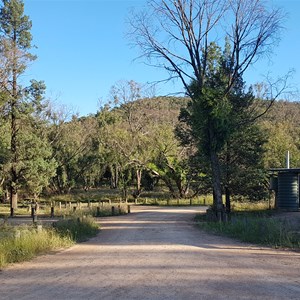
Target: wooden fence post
{"x":52,"y":212}
{"x":32,"y":211}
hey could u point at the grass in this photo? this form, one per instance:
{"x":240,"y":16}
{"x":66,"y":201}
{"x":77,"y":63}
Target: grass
{"x":93,"y":197}
{"x":159,"y":196}
{"x":77,"y":229}
{"x":106,"y":210}
{"x":82,"y":208}
{"x":247,"y":206}
{"x":22,"y":243}
{"x":255,"y":227}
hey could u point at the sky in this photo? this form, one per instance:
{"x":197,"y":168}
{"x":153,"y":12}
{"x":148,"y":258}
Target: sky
{"x":82,"y":51}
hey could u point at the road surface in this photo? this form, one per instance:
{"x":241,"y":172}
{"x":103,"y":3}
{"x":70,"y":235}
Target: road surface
{"x":156,"y":253}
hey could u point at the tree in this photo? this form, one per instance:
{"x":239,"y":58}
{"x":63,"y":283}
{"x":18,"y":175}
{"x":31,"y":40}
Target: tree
{"x":131,"y":138}
{"x":15,"y":45}
{"x":180,"y":35}
{"x":282,"y":125}
{"x":243,"y":173}
{"x":75,"y":150}
{"x":170,"y":160}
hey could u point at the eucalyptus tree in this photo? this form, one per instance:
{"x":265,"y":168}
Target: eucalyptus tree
{"x":178,"y":36}
{"x":170,"y":160}
{"x":74,"y":144}
{"x":131,"y":134}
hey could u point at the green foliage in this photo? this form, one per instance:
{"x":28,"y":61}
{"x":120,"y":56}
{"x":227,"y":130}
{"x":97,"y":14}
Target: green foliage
{"x":15,"y":44}
{"x":12,"y":20}
{"x":282,"y":126}
{"x":75,"y":149}
{"x":242,"y":164}
{"x":219,"y":122}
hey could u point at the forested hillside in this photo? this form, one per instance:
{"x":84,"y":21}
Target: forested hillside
{"x":282,"y":125}
{"x":133,"y":146}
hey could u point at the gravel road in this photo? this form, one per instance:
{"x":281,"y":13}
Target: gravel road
{"x":156,"y":253}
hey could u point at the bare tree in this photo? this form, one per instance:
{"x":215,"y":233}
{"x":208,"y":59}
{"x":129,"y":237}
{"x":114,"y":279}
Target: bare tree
{"x":176,"y":35}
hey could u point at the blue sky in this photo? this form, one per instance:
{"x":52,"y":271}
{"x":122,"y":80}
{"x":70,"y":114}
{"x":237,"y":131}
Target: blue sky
{"x":82,"y":50}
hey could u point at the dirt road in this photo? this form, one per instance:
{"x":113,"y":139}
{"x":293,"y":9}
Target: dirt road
{"x":156,"y":253}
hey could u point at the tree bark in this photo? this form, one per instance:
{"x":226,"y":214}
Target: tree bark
{"x":114,"y":180}
{"x":227,"y":200}
{"x":216,"y":178}
{"x":138,"y":181}
{"x":13,"y":129}
{"x":14,"y":173}
{"x":13,"y":199}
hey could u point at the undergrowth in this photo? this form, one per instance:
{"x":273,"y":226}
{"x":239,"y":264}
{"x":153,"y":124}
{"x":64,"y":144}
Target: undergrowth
{"x":77,"y":229}
{"x":256,"y":228}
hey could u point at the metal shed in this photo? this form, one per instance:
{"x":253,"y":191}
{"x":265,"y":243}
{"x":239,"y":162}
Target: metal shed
{"x":286,"y":184}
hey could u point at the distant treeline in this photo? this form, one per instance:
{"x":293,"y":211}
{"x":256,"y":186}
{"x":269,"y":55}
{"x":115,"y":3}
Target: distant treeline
{"x":133,"y":146}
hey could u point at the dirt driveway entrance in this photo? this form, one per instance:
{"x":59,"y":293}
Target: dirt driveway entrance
{"x":156,"y":253}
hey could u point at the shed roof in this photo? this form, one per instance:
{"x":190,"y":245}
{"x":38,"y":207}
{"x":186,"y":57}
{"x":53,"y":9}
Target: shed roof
{"x":285,"y":170}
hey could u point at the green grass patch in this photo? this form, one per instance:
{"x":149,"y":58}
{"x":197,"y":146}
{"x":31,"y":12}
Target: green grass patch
{"x":20,"y":243}
{"x":77,"y":229}
{"x":23,"y":243}
{"x":257,"y":228}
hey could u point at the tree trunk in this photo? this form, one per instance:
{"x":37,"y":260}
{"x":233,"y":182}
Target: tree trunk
{"x":13,"y":199}
{"x":217,"y":189}
{"x":170,"y":186}
{"x":125,"y":193}
{"x":13,"y":147}
{"x":138,"y":181}
{"x":137,"y":192}
{"x":181,"y":190}
{"x":227,"y":200}
{"x":14,"y":129}
{"x":114,"y":180}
